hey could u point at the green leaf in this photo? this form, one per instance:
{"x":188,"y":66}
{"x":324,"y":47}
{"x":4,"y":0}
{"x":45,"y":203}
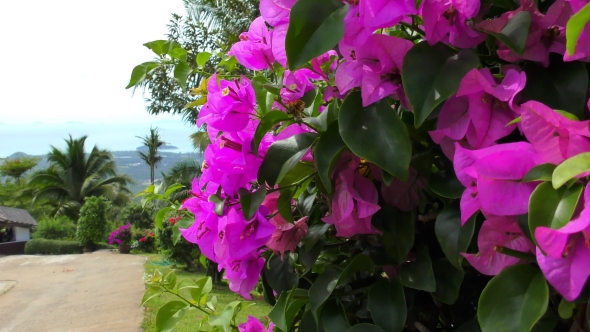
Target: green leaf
{"x":398,"y":232}
{"x":418,"y":274}
{"x":514,"y":300}
{"x":280,"y":273}
{"x":377,"y":134}
{"x":574,"y":28}
{"x":161,"y":47}
{"x":566,"y":309}
{"x":159,"y":219}
{"x":365,"y":327}
{"x":431,"y":74}
{"x":314,"y":234}
{"x":453,"y":238}
{"x":543,"y":172}
{"x":205,"y":285}
{"x":448,"y":281}
{"x":251,"y":201}
{"x":202,"y":58}
{"x":219,"y":204}
{"x":178,"y":53}
{"x":199,"y":102}
{"x":170,"y":314}
{"x":182,"y":71}
{"x":552,"y":208}
{"x":258,"y":83}
{"x":284,"y":204}
{"x":140,"y":73}
{"x":333,"y":316}
{"x":547,"y":323}
{"x":184,"y":224}
{"x":308,"y":323}
{"x":324,"y":119}
{"x":282,"y":156}
{"x":296,"y":174}
{"x":446,"y":184}
{"x":152,"y":292}
{"x":314,"y":28}
{"x":327,"y":152}
{"x":307,"y":258}
{"x":224,"y":320}
{"x":471,"y":326}
{"x":171,"y":189}
{"x":274,"y":89}
{"x":515,"y":33}
{"x":387,"y":304}
{"x":571,"y":168}
{"x":268,"y":121}
{"x":562,"y":86}
{"x":285,"y":310}
{"x":326,"y":282}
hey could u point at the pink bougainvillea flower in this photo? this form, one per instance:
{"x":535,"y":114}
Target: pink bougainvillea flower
{"x":497,"y":232}
{"x":279,"y":35}
{"x":246,"y":236}
{"x":377,"y":14}
{"x":254,"y":325}
{"x":354,"y":203}
{"x":243,"y":274}
{"x":404,"y":194}
{"x":481,"y":110}
{"x":287,"y":236}
{"x":229,"y":105}
{"x":297,"y":83}
{"x":275,"y":11}
{"x":253,"y":50}
{"x":554,"y":137}
{"x":566,"y":263}
{"x":328,"y":57}
{"x":375,"y":67}
{"x":355,"y":33}
{"x":492,"y":178}
{"x":450,"y":22}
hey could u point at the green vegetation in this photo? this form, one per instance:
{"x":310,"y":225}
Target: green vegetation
{"x":91,"y":226}
{"x":58,"y":247}
{"x":224,"y":296}
{"x":151,"y":157}
{"x":16,"y":167}
{"x":58,"y":228}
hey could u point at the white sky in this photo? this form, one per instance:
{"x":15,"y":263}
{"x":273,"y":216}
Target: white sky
{"x":70,"y":60}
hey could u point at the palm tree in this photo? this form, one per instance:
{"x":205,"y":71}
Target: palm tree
{"x":73,"y":175}
{"x":182,"y":172}
{"x":151,"y":157}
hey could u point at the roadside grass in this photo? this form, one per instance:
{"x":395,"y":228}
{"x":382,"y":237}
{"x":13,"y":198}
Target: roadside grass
{"x":189,"y":322}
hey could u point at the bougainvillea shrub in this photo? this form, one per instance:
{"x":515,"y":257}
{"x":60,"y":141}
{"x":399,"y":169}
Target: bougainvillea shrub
{"x":401,"y":165}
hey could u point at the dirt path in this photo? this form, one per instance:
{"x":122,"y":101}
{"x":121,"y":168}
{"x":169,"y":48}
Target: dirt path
{"x":91,"y":292}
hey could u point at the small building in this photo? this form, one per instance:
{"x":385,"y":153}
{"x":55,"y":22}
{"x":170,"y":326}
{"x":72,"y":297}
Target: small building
{"x":15,"y":230}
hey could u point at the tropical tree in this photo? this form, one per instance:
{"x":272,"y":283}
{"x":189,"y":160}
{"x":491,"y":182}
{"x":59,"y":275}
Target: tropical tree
{"x":151,"y":157}
{"x":183,"y":172}
{"x":16,"y":167}
{"x":73,"y":175}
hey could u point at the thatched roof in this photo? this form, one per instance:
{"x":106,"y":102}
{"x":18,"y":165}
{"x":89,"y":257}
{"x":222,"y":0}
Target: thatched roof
{"x":16,"y":217}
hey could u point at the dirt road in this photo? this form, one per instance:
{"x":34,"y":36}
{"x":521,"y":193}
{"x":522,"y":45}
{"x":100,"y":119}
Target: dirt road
{"x":91,"y":292}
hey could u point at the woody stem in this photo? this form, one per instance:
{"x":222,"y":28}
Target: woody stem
{"x":514,"y":253}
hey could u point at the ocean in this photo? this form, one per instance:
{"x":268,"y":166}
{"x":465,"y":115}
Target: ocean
{"x":36,"y":138}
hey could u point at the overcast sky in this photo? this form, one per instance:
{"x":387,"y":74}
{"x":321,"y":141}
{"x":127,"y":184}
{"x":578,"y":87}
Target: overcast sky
{"x":70,"y":60}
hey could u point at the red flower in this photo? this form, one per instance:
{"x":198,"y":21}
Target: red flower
{"x":142,"y":240}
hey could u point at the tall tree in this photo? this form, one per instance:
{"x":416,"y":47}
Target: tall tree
{"x":16,"y":167}
{"x":151,"y":157}
{"x":73,"y":175}
{"x":183,"y":172}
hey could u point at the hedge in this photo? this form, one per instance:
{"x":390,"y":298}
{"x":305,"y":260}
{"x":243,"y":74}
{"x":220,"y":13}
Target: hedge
{"x":57,"y":247}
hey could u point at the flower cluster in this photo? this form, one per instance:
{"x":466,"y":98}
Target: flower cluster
{"x":491,"y":130}
{"x":173,"y":220}
{"x":121,"y":235}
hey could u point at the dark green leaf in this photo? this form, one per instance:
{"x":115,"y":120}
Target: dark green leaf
{"x":284,"y":312}
{"x":470,"y":326}
{"x":552,"y":208}
{"x":308,"y":258}
{"x":219,"y":204}
{"x":268,"y":121}
{"x":308,"y":323}
{"x":314,"y":234}
{"x":251,"y":201}
{"x":333,"y":316}
{"x":298,"y":173}
{"x":514,"y":300}
{"x":282,"y":156}
{"x":275,"y":89}
{"x":140,"y":73}
{"x":515,"y":33}
{"x":574,"y":28}
{"x":181,"y":73}
{"x":453,"y":238}
{"x":284,"y":204}
{"x":268,"y":291}
{"x":571,"y":168}
{"x":314,"y":28}
{"x":170,"y":314}
{"x":258,"y":83}
{"x":398,"y":232}
{"x":547,"y":323}
{"x":448,"y":281}
{"x":445,"y":184}
{"x":543,"y":172}
{"x":202,"y":58}
{"x":418,"y":274}
{"x":431,"y":74}
{"x":327,"y":152}
{"x":171,"y":189}
{"x":387,"y":304}
{"x":309,"y":97}
{"x":365,"y":327}
{"x":281,"y":274}
{"x":562,"y":86}
{"x":306,"y":201}
{"x":377,"y":134}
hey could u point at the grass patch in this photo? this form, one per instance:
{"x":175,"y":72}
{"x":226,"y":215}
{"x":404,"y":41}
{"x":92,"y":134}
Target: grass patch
{"x":224,"y":296}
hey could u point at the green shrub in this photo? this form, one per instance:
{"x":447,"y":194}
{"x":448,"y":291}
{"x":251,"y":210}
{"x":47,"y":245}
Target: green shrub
{"x":57,"y":247}
{"x":59,"y":228}
{"x":92,"y":222}
{"x":137,"y":216}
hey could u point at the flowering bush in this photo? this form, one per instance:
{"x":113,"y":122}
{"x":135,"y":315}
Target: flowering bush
{"x":399,"y":167}
{"x":121,"y":235}
{"x":145,"y":241}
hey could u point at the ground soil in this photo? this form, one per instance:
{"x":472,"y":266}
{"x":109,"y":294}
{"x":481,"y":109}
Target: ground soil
{"x":100,"y":291}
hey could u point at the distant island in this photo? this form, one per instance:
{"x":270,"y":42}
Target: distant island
{"x":144,"y":148}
